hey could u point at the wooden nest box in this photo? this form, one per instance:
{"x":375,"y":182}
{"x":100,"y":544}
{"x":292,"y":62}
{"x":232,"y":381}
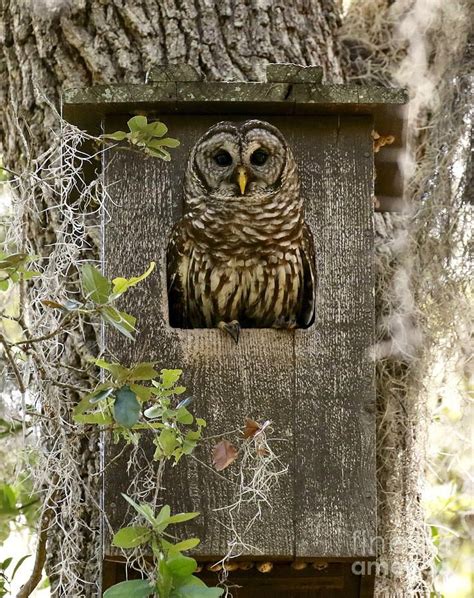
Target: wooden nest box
{"x":316,"y":385}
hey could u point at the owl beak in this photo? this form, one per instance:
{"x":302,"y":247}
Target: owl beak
{"x":242,"y":178}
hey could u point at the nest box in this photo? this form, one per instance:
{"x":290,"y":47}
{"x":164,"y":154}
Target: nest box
{"x":316,"y":384}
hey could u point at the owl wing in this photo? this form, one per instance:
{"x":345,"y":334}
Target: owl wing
{"x":307,"y":312}
{"x":177,"y":263}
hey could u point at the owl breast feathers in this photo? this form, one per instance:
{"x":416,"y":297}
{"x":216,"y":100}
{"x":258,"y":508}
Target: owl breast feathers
{"x":241,"y":255}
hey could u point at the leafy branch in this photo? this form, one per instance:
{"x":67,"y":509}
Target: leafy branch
{"x":127,"y":406}
{"x":174,"y":572}
{"x":146,"y":137}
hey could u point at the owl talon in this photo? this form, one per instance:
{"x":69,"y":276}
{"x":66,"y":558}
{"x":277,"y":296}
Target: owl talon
{"x":283,"y":323}
{"x":232,"y":328}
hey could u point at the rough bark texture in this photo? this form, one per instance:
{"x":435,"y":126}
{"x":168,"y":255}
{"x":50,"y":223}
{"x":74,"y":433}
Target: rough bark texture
{"x":51,"y":45}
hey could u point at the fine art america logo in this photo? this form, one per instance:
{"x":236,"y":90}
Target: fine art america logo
{"x":364,"y":544}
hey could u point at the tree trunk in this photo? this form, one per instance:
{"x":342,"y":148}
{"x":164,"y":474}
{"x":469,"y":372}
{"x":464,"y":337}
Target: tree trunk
{"x":51,"y":45}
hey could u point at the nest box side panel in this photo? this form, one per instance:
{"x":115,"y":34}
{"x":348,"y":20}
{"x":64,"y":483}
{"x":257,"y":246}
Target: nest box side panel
{"x":335,"y":507}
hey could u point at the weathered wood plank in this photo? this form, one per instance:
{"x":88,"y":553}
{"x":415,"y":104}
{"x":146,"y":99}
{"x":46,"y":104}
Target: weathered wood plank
{"x":229,"y":382}
{"x":314,"y":384}
{"x":335,"y":508}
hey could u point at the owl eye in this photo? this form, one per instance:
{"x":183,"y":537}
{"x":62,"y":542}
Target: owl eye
{"x":259,"y":157}
{"x":223,"y":158}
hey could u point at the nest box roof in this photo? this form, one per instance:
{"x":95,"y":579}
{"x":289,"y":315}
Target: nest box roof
{"x":289,"y":89}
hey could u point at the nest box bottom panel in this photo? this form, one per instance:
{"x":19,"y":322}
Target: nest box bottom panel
{"x":326,"y":580}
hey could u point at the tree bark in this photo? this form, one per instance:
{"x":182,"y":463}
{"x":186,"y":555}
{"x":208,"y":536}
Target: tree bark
{"x":51,"y":45}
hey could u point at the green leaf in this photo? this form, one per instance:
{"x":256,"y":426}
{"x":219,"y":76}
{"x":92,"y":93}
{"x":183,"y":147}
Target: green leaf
{"x":159,"y":153}
{"x":118,"y":371}
{"x":117,"y":136}
{"x":142,"y":392}
{"x":100,"y":395}
{"x":142,"y":509}
{"x":170,"y":377}
{"x":123,"y":284}
{"x":181,"y":566}
{"x":29,"y":274}
{"x":163,"y":515}
{"x":184,"y":416}
{"x":7,"y":500}
{"x":99,"y":418}
{"x":166,"y":141}
{"x":168,"y":441}
{"x":136,"y":588}
{"x":126,"y":407}
{"x":71,"y":305}
{"x":19,"y":564}
{"x":14,"y":260}
{"x":181,"y":517}
{"x":165,"y":579}
{"x":95,"y":285}
{"x":82,"y":406}
{"x":8,"y":428}
{"x":4,"y":284}
{"x":154,"y":411}
{"x":6,"y":563}
{"x":131,"y":537}
{"x":137,"y":123}
{"x":142,"y":371}
{"x":157,"y":129}
{"x":147,"y":426}
{"x":188,"y":446}
{"x":189,"y":581}
{"x":188,"y":544}
{"x":123,"y":322}
{"x":201,"y":422}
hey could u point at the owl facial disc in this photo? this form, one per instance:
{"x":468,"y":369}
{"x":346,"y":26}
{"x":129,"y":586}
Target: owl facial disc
{"x":241,"y":161}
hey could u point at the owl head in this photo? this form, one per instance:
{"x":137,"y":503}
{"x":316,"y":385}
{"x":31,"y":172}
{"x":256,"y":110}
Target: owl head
{"x":240,"y":161}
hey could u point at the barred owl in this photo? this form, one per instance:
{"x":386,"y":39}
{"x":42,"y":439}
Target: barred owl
{"x":241,"y":256}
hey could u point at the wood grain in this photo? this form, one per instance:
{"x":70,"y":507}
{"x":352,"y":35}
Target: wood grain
{"x":315,"y":385}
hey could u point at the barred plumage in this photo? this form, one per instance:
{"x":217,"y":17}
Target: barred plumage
{"x":242,"y":252}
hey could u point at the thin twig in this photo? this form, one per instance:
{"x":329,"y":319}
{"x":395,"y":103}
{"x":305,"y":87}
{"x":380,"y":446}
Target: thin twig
{"x":12,"y":362}
{"x":12,"y":172}
{"x":67,"y":386}
{"x":46,"y":337}
{"x":40,"y":555}
{"x":74,"y":369}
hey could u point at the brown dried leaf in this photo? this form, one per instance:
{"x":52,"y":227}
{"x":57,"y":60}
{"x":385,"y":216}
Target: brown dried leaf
{"x":223,"y":455}
{"x":53,"y":304}
{"x":251,"y":428}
